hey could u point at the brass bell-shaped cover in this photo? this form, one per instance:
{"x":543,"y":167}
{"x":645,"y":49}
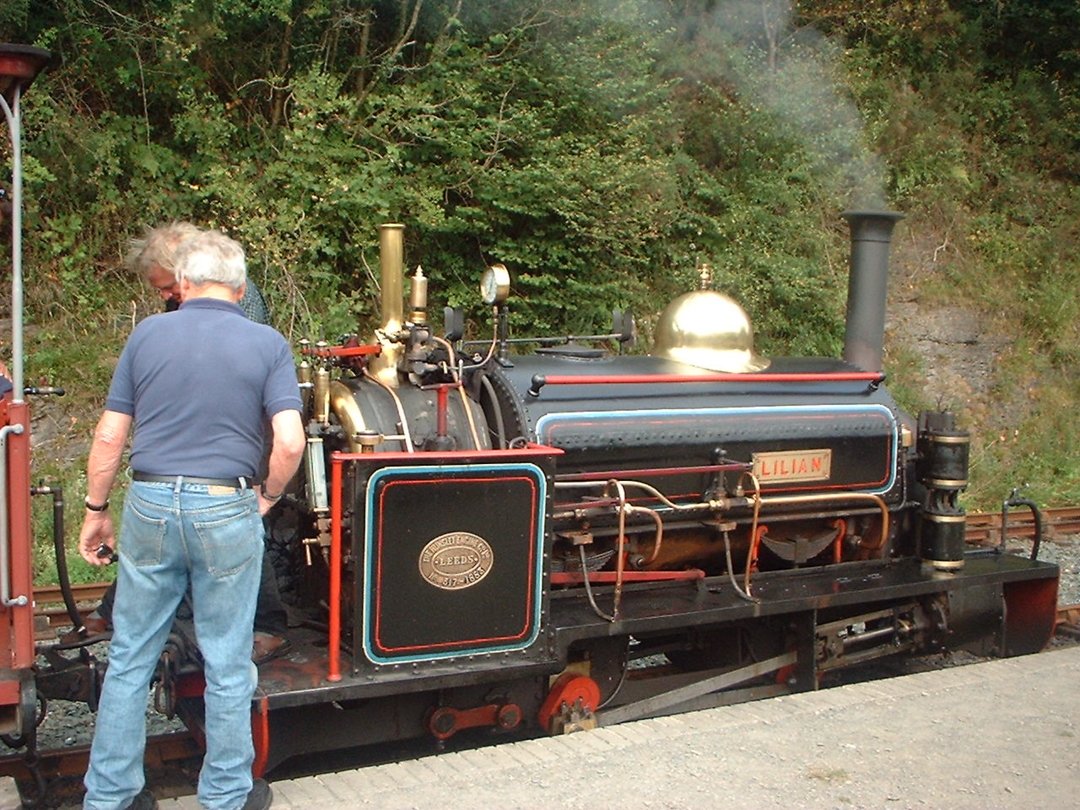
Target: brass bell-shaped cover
{"x":709,"y":330}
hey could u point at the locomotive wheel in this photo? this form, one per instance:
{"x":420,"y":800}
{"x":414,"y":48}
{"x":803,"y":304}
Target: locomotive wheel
{"x":570,"y":705}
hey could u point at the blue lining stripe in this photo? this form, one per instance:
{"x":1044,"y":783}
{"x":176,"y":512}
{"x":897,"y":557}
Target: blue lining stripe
{"x":532,"y":471}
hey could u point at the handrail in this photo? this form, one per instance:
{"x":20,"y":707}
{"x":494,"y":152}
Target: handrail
{"x":540,"y":380}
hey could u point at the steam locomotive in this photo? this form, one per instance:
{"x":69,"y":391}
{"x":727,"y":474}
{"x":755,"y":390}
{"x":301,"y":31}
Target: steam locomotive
{"x":483,"y":537}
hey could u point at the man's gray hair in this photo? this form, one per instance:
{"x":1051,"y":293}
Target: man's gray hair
{"x":157,"y":247}
{"x":210,"y":257}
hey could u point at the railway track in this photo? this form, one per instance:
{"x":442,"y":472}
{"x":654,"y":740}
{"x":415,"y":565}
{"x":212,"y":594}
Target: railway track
{"x":985,"y":528}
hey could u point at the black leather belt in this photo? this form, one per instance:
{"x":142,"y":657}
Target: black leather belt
{"x":239,"y":482}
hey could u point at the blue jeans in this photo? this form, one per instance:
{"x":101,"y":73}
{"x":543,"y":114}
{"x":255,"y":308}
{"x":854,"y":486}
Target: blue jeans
{"x":173,"y":535}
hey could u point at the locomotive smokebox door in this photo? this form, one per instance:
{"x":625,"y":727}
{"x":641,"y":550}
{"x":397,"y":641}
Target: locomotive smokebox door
{"x":453,"y":559}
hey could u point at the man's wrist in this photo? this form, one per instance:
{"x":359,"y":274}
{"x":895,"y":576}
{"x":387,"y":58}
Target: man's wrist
{"x":273,"y":498}
{"x":96,"y":507}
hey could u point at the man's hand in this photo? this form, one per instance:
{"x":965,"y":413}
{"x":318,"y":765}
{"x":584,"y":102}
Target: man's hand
{"x":266,"y":504}
{"x":97,"y":531}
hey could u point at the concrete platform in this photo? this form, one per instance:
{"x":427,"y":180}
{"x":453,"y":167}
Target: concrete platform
{"x":1003,"y":734}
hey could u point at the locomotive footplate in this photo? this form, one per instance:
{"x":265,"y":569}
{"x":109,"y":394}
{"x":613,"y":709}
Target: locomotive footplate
{"x":652,"y":608}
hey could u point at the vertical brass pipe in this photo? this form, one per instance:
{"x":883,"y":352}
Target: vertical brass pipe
{"x":391,"y":269}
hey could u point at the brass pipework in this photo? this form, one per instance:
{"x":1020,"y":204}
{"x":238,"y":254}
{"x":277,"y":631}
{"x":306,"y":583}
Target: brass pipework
{"x":304,"y":376}
{"x":368,"y":440}
{"x":384,"y":367}
{"x":348,"y":413}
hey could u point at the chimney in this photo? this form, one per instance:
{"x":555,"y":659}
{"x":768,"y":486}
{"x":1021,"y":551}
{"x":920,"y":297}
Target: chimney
{"x":864,"y":338}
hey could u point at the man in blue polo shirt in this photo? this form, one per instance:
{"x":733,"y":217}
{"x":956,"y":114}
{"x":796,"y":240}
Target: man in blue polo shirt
{"x":154,"y":258}
{"x":198,"y":387}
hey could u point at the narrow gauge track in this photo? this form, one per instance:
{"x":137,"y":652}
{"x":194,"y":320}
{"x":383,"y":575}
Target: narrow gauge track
{"x":984,"y":528}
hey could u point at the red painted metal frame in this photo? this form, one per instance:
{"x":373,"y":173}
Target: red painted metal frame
{"x":19,"y":559}
{"x":333,"y":663}
{"x":260,"y":733}
{"x":341,"y":351}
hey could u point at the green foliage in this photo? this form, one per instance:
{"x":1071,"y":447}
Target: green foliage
{"x":1040,"y":453}
{"x":603,"y":149}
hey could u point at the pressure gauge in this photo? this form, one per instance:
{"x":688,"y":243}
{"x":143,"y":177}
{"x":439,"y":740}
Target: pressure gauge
{"x":495,"y":285}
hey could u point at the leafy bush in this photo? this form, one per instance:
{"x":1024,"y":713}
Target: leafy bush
{"x":603,"y":149}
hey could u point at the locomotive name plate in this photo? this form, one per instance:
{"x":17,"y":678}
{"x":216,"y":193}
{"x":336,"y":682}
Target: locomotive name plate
{"x":455,"y":560}
{"x":793,"y":465}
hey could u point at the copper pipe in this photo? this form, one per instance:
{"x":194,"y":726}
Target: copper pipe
{"x":577,"y":578}
{"x":620,"y":551}
{"x":641,"y":510}
{"x":620,"y":562}
{"x":841,"y":529}
{"x":755,"y":533}
{"x":756,"y":537}
{"x":466,"y":406}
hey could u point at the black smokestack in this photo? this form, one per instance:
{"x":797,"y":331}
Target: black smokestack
{"x":864,"y":339}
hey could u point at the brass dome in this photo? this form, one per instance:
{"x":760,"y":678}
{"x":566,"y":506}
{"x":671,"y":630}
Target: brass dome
{"x":708,"y":330}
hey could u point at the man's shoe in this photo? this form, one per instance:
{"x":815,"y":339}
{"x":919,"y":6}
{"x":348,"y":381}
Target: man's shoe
{"x":267,"y":646}
{"x":260,"y":797}
{"x":144,"y":800}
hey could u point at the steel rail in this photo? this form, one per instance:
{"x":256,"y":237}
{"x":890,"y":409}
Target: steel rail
{"x":161,"y":749}
{"x":984,"y":528}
